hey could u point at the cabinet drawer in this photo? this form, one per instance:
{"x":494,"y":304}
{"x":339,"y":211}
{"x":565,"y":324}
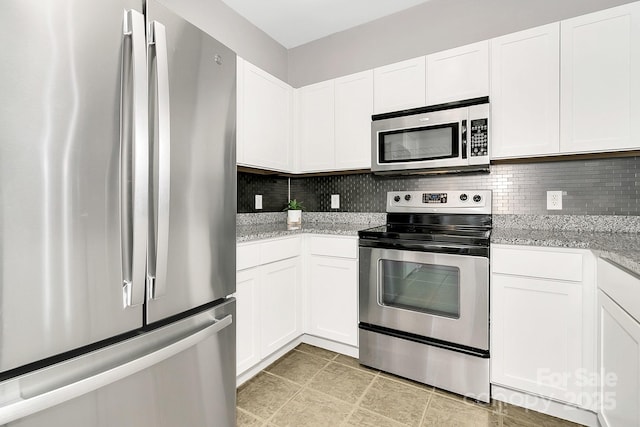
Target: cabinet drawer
{"x":536,"y":263}
{"x":622,"y":287}
{"x":247,"y":256}
{"x":333,"y":246}
{"x":277,"y":250}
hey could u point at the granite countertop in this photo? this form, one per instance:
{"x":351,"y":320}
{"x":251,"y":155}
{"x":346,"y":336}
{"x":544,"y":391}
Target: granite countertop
{"x":271,"y":225}
{"x":616,"y":239}
{"x":246,"y":233}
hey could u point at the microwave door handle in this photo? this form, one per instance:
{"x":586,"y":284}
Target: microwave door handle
{"x":464,"y":139}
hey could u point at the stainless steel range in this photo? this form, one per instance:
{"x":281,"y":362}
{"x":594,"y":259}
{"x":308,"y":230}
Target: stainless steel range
{"x":424,"y":290}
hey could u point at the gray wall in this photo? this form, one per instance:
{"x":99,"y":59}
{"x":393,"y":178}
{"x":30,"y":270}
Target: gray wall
{"x":231,"y":29}
{"x":430,"y":27}
{"x":594,"y":187}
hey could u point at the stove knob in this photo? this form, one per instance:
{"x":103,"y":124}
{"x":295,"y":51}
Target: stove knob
{"x":464,"y":197}
{"x":477,"y":198}
{"x":407,"y":197}
{"x":396,"y":198}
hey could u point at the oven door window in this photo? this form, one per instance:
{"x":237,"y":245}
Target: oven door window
{"x":423,"y":143}
{"x":425,"y":288}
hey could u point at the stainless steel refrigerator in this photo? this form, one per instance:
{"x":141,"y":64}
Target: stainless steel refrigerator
{"x":117,"y":217}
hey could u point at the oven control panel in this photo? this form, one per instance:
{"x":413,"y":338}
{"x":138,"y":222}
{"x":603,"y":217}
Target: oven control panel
{"x":434,"y":197}
{"x":456,"y":201}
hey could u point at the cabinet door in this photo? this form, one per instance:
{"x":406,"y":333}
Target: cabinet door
{"x":280,"y":304}
{"x":600,"y":89}
{"x":536,"y":336}
{"x":353,"y":109}
{"x":619,"y":343}
{"x":456,"y":74}
{"x":315,"y":127}
{"x":264,"y":119}
{"x":399,"y":86}
{"x":333,"y":299}
{"x":525,"y":93}
{"x":247,"y":320}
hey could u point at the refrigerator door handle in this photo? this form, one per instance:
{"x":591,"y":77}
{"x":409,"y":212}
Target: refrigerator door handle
{"x":134,"y":134}
{"x":160,"y":166}
{"x":30,"y":401}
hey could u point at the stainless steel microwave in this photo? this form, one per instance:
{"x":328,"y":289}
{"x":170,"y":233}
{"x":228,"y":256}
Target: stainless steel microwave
{"x":441,"y":138}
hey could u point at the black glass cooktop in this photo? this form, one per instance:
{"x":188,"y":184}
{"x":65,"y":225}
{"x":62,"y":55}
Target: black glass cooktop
{"x":432,"y":229}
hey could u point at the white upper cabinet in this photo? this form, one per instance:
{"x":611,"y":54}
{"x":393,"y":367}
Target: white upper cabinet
{"x":333,"y":124}
{"x":456,"y":74}
{"x":399,"y":86}
{"x":353,"y":110}
{"x":600,"y":87}
{"x":315,"y":127}
{"x":264,"y":119}
{"x":525,"y":93}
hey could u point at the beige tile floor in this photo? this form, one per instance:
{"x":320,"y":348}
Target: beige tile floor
{"x":310,"y":386}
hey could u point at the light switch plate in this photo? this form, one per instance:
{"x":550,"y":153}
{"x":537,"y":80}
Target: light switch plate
{"x":335,"y":201}
{"x":258,"y":201}
{"x":554,"y":200}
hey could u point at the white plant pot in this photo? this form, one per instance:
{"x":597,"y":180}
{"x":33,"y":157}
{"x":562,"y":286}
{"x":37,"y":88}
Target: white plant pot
{"x":294,"y":218}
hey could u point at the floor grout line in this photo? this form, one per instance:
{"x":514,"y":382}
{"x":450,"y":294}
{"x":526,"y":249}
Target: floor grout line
{"x":375,"y":376}
{"x":356,"y":405}
{"x":426,"y":408}
{"x":302,"y":386}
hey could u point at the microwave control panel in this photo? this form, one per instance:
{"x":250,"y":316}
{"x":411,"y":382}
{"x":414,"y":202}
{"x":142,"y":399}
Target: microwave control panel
{"x":479,"y":137}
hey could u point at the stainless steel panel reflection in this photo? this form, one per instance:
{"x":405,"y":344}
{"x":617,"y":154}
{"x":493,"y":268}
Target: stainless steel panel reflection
{"x":188,"y":389}
{"x":457,"y":372}
{"x":202,"y":76}
{"x":471,"y":328}
{"x":61,"y":269}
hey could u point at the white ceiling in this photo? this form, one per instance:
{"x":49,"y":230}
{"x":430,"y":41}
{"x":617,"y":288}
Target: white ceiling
{"x":295,"y":22}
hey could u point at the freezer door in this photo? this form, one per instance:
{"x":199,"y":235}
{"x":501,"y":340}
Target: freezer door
{"x":180,"y":375}
{"x":193,"y":195}
{"x":62,"y":270}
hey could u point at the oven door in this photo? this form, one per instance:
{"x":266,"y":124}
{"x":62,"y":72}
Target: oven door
{"x":432,"y":295}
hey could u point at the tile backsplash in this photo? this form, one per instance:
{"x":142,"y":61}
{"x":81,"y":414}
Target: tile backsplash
{"x":593,"y":187}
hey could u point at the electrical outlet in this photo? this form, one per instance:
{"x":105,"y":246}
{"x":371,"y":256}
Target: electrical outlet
{"x":335,"y":201}
{"x":554,"y":200}
{"x":258,"y":201}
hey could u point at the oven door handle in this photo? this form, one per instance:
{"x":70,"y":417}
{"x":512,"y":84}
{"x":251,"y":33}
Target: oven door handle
{"x":449,"y":248}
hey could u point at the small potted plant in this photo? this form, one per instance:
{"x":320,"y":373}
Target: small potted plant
{"x":294,"y":213}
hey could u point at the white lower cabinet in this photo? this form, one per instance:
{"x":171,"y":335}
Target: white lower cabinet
{"x":247,"y":319}
{"x":280,"y":304}
{"x":619,"y":346}
{"x":619,"y":337}
{"x":543,"y":323}
{"x":277,"y":302}
{"x":333,"y":289}
{"x":269,"y":299}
